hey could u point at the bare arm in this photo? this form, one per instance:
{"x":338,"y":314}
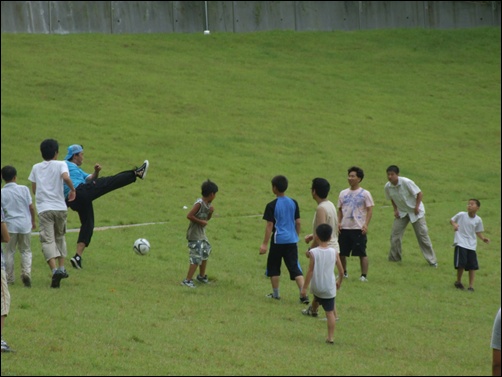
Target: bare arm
{"x":419,"y":200}
{"x":69,"y":183}
{"x":339,"y":266}
{"x":482,"y":237}
{"x":340,"y":217}
{"x":95,"y":174}
{"x":308,"y":278}
{"x":5,"y":233}
{"x":268,"y":232}
{"x":33,"y":218}
{"x":191,"y":215}
{"x":496,"y":362}
{"x":369,"y":215}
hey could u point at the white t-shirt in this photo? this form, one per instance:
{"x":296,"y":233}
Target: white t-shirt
{"x":48,"y":176}
{"x":323,"y":283}
{"x":16,"y":200}
{"x":354,"y":205}
{"x":404,"y":196}
{"x":468,"y":226}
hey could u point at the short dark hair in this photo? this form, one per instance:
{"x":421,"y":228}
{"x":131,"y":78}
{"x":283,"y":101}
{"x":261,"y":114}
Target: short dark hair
{"x":280,"y":182}
{"x":324,"y":232}
{"x":8,"y":173}
{"x":321,"y":187}
{"x":49,"y":148}
{"x":393,"y":168}
{"x":208,"y":188}
{"x":478,"y":203}
{"x":358,"y":170}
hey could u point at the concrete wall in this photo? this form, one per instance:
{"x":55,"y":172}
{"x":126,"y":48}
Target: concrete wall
{"x":64,"y":17}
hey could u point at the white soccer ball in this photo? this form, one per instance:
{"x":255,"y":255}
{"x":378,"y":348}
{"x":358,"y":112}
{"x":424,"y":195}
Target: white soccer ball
{"x":141,"y":246}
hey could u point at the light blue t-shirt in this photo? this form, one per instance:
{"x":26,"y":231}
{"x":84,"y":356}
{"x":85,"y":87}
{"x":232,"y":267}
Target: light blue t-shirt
{"x":77,"y":176}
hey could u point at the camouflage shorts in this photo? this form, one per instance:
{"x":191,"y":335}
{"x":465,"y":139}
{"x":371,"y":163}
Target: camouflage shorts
{"x":199,"y":251}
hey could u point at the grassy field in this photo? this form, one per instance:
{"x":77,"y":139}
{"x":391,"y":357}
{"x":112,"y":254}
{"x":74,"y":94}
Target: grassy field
{"x":239,"y":109}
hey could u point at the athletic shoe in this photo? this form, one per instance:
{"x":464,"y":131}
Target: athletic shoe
{"x":56,"y":279}
{"x":309,"y":312}
{"x":143,"y":169}
{"x":188,"y":283}
{"x":5,"y":347}
{"x":435,"y":265}
{"x":203,"y":279}
{"x":459,"y":285}
{"x":470,"y":289}
{"x":271,"y":295}
{"x":345,"y":274}
{"x":76,"y":262}
{"x":26,"y":281}
{"x":330,"y":342}
{"x":64,"y":274}
{"x":363,"y":279}
{"x":304,"y":300}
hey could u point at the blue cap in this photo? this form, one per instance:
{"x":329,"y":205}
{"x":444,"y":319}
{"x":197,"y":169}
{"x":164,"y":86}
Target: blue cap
{"x":73,"y":149}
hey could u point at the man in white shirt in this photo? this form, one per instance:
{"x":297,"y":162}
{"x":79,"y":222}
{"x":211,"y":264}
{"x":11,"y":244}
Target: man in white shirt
{"x":406,"y":198}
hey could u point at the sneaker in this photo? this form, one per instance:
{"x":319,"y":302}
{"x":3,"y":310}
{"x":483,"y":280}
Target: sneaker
{"x":26,"y":281}
{"x":143,"y":169}
{"x":363,"y":279}
{"x":271,"y":295}
{"x":188,"y":283}
{"x":64,"y":274}
{"x":56,"y":279}
{"x":459,"y":285}
{"x":330,"y":342}
{"x":5,"y":347}
{"x":435,"y":265}
{"x":309,"y":312}
{"x":203,"y":279}
{"x":76,"y":262}
{"x":304,"y":300}
{"x":470,"y":289}
{"x":345,"y":274}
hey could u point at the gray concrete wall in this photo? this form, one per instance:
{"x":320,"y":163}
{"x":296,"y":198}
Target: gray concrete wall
{"x":64,"y":17}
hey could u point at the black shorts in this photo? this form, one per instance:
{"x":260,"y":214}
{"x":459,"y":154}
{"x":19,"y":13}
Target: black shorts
{"x":288,"y":252}
{"x":328,"y":304}
{"x":465,"y":258}
{"x":352,"y":240}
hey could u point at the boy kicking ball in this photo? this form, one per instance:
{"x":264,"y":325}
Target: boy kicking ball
{"x":321,"y":274}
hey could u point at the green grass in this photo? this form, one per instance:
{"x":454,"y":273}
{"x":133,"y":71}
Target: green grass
{"x":239,"y":109}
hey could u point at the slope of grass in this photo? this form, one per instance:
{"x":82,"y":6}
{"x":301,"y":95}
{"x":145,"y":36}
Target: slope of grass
{"x":239,"y":109}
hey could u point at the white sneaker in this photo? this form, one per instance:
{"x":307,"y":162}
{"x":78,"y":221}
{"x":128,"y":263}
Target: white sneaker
{"x":143,"y":169}
{"x":188,"y":283}
{"x":362,"y":278}
{"x":345,"y":274}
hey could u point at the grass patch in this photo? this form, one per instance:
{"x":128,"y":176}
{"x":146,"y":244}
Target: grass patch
{"x":239,"y":109}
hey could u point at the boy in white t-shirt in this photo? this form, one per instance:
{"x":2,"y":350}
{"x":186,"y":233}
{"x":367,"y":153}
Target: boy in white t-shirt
{"x":467,"y":225}
{"x":323,"y":259}
{"x":47,"y":184}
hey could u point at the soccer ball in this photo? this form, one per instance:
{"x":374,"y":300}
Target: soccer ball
{"x":141,"y":246}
